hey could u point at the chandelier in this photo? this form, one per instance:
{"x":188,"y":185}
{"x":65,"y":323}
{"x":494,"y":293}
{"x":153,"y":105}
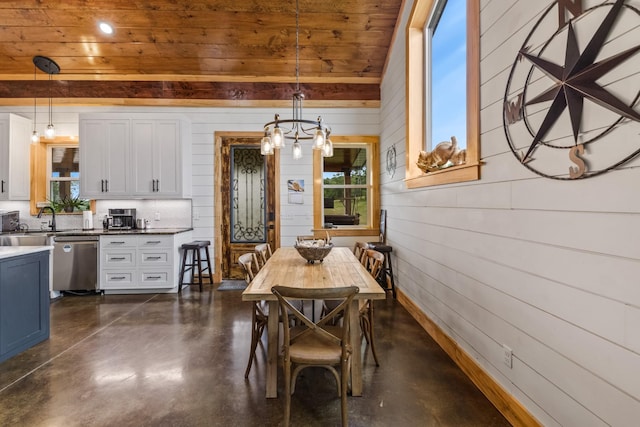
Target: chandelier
{"x":296,"y":128}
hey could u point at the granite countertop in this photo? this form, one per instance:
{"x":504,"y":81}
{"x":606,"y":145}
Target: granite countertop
{"x":12,"y":251}
{"x":101,"y":232}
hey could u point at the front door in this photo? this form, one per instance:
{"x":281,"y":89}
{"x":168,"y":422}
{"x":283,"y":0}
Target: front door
{"x":246,"y":198}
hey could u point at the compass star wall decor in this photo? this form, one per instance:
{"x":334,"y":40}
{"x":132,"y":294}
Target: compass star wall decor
{"x":571,"y":102}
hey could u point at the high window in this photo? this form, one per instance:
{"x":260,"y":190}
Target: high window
{"x":443,"y":87}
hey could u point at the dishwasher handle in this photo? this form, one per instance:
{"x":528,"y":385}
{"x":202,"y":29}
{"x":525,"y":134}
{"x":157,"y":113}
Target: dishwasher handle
{"x":76,"y":238}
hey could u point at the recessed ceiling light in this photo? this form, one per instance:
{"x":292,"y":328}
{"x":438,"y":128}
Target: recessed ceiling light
{"x":106,"y":28}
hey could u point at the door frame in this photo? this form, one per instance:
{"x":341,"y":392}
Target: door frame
{"x":217,"y":197}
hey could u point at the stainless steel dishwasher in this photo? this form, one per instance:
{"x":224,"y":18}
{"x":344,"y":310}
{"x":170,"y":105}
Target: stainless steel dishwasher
{"x":75,"y":263}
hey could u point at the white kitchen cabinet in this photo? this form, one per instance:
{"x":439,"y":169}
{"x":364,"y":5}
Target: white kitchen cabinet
{"x":104,"y":158}
{"x":140,"y":263}
{"x":156,"y":150}
{"x":15,"y":139}
{"x":157,"y":156}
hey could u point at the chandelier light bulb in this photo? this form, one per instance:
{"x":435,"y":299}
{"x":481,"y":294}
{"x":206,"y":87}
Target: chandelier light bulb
{"x":327,"y":149}
{"x":266,"y":147}
{"x":297,"y":150}
{"x":35,"y":137}
{"x":50,"y":133}
{"x":318,"y":139}
{"x":277,"y":138}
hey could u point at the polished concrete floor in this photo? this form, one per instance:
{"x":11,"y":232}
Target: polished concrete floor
{"x":179,"y":360}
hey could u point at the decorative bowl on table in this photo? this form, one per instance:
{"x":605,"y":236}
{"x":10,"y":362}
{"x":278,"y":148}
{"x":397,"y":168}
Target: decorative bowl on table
{"x":313,"y":250}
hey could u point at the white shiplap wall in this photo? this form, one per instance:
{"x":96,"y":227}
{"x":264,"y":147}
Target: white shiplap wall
{"x":548,"y":268}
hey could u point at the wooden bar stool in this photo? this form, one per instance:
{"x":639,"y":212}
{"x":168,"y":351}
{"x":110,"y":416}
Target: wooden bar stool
{"x":192,"y":261}
{"x":386,"y":275}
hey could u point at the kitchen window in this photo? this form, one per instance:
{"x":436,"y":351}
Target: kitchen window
{"x":55,"y":175}
{"x":346,"y":194}
{"x":433,"y":79}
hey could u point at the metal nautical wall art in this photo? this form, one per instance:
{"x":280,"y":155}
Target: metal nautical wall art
{"x":571,"y":101}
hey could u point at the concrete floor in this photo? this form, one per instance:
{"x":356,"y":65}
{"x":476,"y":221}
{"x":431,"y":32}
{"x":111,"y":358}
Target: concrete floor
{"x":179,"y":360}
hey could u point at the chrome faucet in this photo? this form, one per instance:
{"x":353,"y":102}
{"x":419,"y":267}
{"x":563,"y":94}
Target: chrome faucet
{"x":52,"y":224}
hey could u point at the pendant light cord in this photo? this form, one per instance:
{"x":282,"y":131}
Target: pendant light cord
{"x":297,"y":46}
{"x":50,"y":103}
{"x":35,"y":100}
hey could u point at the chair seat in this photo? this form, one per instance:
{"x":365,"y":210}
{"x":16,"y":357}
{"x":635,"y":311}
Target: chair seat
{"x":312,"y":350}
{"x":380,"y":247}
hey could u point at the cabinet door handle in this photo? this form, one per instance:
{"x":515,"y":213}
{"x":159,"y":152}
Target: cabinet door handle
{"x":154,"y":277}
{"x":106,"y":185}
{"x":120,"y":258}
{"x":153,"y":257}
{"x":118,"y":278}
{"x":117,"y":243}
{"x":2,"y":190}
{"x":102,"y":185}
{"x":153,"y":242}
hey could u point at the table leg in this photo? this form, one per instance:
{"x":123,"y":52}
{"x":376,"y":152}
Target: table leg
{"x":272,"y":350}
{"x":356,"y":356}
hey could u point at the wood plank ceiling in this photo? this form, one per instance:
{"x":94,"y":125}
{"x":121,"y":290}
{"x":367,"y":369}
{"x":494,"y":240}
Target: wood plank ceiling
{"x":196,"y":52}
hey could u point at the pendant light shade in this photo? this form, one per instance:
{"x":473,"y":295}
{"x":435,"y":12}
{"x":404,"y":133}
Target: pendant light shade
{"x":50,"y":67}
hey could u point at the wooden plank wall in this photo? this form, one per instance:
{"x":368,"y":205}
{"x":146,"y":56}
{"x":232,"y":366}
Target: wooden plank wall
{"x":548,"y":268}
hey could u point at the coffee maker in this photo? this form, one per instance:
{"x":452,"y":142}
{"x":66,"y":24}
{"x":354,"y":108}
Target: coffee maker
{"x":121,"y":219}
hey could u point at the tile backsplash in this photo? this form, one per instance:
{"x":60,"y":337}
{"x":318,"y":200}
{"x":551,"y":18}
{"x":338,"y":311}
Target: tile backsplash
{"x":160,"y":213}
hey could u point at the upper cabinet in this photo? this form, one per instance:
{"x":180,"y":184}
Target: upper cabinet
{"x":135,"y":156}
{"x":104,"y":158}
{"x":15,"y":137}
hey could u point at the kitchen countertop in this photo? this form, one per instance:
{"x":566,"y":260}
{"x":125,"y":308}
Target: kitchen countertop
{"x":101,"y":232}
{"x":11,"y":251}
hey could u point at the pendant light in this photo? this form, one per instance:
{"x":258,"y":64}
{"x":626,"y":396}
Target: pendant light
{"x":276,"y":131}
{"x":49,"y":66}
{"x":35,"y":137}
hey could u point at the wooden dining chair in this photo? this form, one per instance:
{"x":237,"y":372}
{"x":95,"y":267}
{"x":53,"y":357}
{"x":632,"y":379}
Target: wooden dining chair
{"x":260,"y":314}
{"x":359,"y":250}
{"x":263,"y":253}
{"x":316,"y":343}
{"x":374,"y":263}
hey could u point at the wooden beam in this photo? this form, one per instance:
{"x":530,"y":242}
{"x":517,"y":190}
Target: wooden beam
{"x":236,"y":91}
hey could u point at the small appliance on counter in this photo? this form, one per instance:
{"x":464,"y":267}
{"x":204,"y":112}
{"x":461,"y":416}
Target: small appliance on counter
{"x":121,"y":219}
{"x":10,"y":221}
{"x":87,"y":220}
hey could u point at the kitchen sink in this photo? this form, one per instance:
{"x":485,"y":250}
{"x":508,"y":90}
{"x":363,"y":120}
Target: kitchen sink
{"x":25,"y":239}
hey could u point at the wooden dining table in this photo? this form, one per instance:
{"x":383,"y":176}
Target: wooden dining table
{"x":287,"y":268}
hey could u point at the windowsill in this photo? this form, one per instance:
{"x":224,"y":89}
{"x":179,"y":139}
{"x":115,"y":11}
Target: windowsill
{"x":344,"y":231}
{"x":450,"y":175}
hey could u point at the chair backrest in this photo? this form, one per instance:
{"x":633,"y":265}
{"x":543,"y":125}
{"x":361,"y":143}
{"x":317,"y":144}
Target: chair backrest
{"x":249,"y":264}
{"x":263,"y":253}
{"x":287,"y":299}
{"x":373,"y":262}
{"x":383,"y":226}
{"x":359,"y":250}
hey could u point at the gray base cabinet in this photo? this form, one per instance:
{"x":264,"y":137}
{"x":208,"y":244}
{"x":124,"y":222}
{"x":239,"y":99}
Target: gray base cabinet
{"x":24,"y":302}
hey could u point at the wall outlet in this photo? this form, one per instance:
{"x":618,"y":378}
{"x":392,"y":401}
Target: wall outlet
{"x":507,"y":355}
{"x":157,"y":216}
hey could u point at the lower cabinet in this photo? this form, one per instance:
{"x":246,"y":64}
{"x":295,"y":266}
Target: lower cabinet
{"x":150,"y":262}
{"x":24,"y":302}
